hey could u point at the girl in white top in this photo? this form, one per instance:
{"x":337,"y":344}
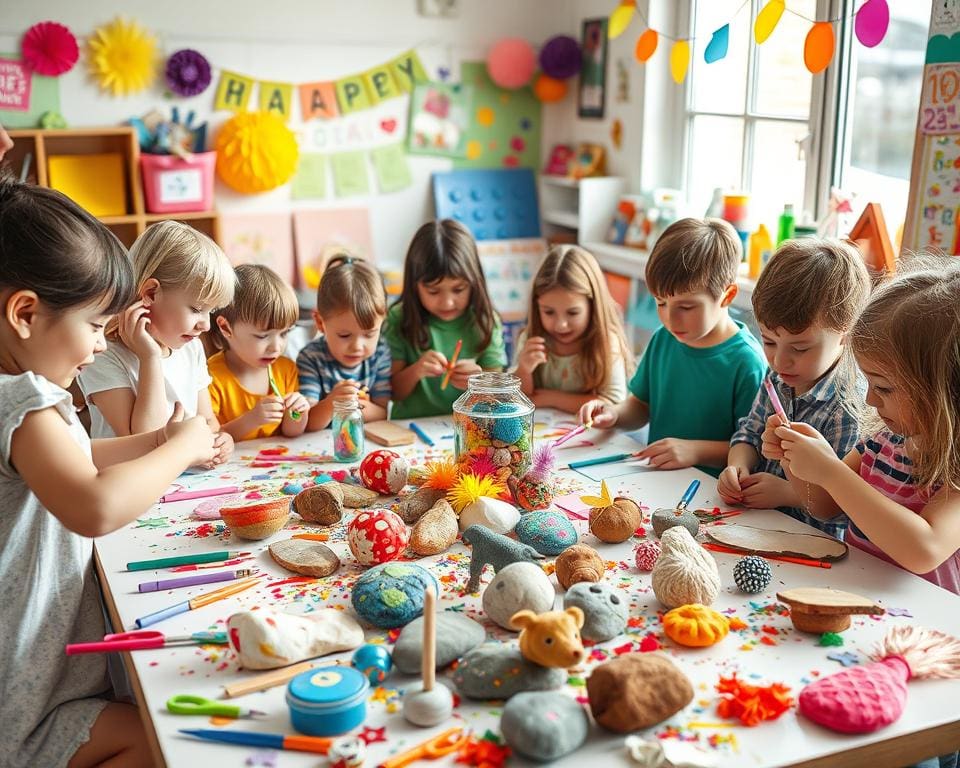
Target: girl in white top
{"x":573,"y":349}
{"x":154,"y":357}
{"x":62,"y":275}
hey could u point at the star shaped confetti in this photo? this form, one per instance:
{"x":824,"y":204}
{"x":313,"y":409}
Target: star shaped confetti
{"x":372,"y":735}
{"x":846,"y":658}
{"x":153,"y":522}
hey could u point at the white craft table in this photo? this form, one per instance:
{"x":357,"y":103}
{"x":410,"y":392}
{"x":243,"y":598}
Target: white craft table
{"x":930,"y":725}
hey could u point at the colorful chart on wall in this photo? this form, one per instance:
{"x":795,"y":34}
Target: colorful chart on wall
{"x":504,"y":130}
{"x":320,"y":234}
{"x":41,"y":95}
{"x":259,"y":238}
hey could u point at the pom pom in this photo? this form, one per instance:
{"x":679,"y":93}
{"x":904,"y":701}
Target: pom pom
{"x":511,"y":62}
{"x":256,"y":152}
{"x":647,"y":553}
{"x":752,"y":704}
{"x":187,"y":72}
{"x":49,"y":49}
{"x":440,"y":474}
{"x":469,"y":488}
{"x":482,"y":465}
{"x":507,"y":430}
{"x":560,"y":57}
{"x":544,"y":460}
{"x":752,"y":574}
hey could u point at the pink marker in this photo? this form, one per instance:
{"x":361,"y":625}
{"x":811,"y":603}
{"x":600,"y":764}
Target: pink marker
{"x":775,"y":399}
{"x":202,"y":493}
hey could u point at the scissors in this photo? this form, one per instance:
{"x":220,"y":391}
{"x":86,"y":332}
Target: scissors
{"x":139,"y":640}
{"x":442,"y":744}
{"x":186,"y":704}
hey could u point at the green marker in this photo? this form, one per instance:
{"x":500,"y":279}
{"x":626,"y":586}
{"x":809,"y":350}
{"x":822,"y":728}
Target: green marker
{"x":295,"y":415}
{"x":171,"y":562}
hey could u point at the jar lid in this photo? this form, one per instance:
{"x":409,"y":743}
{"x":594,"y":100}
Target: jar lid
{"x":331,"y":686}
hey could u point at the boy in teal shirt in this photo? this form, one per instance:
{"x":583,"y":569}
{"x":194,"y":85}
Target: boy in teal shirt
{"x":701,"y":371}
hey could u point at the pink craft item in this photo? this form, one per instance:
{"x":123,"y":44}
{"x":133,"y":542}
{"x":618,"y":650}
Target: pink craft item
{"x":377,"y":536}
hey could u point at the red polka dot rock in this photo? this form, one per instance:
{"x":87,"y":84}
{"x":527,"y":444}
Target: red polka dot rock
{"x":384,"y":472}
{"x":377,"y":536}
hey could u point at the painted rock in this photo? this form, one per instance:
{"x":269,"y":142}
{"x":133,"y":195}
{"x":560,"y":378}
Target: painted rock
{"x":377,"y":536}
{"x":752,"y":574}
{"x":499,"y":516}
{"x":495,"y":671}
{"x":391,"y":595}
{"x":547,"y":532}
{"x":531,"y":493}
{"x":604,"y":609}
{"x":384,"y":472}
{"x":373,"y":661}
{"x":518,"y":587}
{"x":543,"y":726}
{"x":664,"y":519}
{"x":456,"y":634}
{"x":322,"y":504}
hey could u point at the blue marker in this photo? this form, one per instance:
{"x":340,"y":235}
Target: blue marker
{"x":418,"y":431}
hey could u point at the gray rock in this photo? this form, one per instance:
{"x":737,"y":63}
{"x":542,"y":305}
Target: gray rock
{"x":495,"y":671}
{"x":543,"y":726}
{"x":604,"y":609}
{"x":456,"y":634}
{"x":662,"y":519}
{"x":518,"y":587}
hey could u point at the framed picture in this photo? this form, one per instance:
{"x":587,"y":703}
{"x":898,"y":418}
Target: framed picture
{"x":593,"y":73}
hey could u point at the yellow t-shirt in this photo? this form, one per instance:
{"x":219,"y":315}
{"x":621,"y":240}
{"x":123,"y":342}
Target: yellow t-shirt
{"x":230,"y":400}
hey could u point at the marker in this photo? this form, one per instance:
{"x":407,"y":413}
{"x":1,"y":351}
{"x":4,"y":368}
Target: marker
{"x":194,"y":581}
{"x":197,"y":602}
{"x":572,"y":433}
{"x":775,"y":399}
{"x":170,"y":562}
{"x":418,"y":431}
{"x":451,"y":364}
{"x":295,"y":415}
{"x":603,"y":460}
{"x":315,"y":744}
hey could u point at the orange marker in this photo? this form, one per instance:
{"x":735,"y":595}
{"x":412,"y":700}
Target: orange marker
{"x":451,"y":364}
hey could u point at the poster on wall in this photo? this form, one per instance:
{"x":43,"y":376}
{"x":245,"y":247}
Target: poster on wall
{"x":509,"y":267}
{"x":593,"y":73}
{"x":25,"y":96}
{"x":439,"y":119}
{"x":259,"y":238}
{"x":320,"y":234}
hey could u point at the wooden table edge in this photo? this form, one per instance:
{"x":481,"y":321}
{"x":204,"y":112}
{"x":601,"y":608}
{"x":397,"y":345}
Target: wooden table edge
{"x":895,"y":752}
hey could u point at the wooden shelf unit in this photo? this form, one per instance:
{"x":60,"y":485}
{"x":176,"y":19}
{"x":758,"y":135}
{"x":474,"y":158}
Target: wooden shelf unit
{"x":41,"y":144}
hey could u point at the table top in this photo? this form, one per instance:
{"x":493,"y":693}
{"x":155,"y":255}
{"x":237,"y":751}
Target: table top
{"x":768,"y":650}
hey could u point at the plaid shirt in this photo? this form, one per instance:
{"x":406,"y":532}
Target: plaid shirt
{"x":320,"y":372}
{"x":822,"y":408}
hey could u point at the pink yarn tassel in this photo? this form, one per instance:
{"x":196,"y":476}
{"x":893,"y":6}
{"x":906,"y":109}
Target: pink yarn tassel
{"x":928,"y":652}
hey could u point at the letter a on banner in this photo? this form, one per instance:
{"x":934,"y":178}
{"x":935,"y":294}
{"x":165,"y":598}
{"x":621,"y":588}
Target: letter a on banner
{"x":408,"y":71}
{"x":318,"y":100}
{"x":233,"y":92}
{"x":276,"y":98}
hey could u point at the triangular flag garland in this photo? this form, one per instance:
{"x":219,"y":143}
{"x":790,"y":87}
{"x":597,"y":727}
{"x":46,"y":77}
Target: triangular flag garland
{"x":871,"y":21}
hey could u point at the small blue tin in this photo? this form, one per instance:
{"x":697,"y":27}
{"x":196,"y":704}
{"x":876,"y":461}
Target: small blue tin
{"x":328,"y":701}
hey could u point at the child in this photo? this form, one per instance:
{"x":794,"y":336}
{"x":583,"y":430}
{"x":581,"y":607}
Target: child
{"x":62,"y":275}
{"x":700,"y":372}
{"x":350,"y":358}
{"x":444,"y":301}
{"x":900,"y":487}
{"x":574,"y":347}
{"x":255,"y":390}
{"x":154,"y":358}
{"x":805,"y":302}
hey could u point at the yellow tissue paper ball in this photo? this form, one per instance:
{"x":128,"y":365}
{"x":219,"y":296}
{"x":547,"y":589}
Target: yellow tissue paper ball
{"x":256,"y":152}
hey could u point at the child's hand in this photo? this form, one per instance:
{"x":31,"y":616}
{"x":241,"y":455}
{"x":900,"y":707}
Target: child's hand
{"x":294,"y":401}
{"x":269,"y":410}
{"x":762,"y":490}
{"x":771,"y":448}
{"x":343,"y":388}
{"x":533,"y":355}
{"x":134,"y":333}
{"x":194,"y":432}
{"x":669,"y":453}
{"x":432,"y":363}
{"x":222,"y":447}
{"x":728,"y":484}
{"x":806,"y":452}
{"x":462,"y":371}
{"x":599,"y":412}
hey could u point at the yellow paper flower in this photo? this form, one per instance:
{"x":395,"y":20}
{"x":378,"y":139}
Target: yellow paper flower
{"x":256,"y":152}
{"x":469,"y":488}
{"x":602,"y":501}
{"x":122,"y":56}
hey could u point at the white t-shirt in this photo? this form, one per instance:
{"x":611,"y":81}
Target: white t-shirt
{"x":184,"y":374}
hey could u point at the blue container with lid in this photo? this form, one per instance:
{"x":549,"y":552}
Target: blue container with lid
{"x":328,"y":701}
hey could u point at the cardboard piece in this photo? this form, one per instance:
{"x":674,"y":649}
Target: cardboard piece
{"x":388,"y":433}
{"x":819,"y":609}
{"x":760,"y":541}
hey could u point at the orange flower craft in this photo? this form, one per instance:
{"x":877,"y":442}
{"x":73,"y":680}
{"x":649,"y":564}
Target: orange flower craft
{"x":752,"y":704}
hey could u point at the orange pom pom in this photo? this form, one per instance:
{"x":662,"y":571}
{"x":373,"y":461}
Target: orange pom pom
{"x":752,"y":704}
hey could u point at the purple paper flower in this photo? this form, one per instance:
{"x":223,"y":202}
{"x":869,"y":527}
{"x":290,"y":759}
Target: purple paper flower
{"x":188,"y":72}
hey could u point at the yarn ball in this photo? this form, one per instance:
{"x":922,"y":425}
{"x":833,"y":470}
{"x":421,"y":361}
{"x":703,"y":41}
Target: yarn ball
{"x":391,"y":595}
{"x":511,"y":62}
{"x":256,"y":152}
{"x":685,"y":572}
{"x":374,"y":661}
{"x":377,"y":536}
{"x":647,"y":553}
{"x":507,"y":430}
{"x":752,"y":574}
{"x":384,"y":472}
{"x":560,"y":57}
{"x":548,"y":89}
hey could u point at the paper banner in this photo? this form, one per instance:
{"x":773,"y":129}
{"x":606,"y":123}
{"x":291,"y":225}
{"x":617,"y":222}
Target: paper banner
{"x":310,"y":181}
{"x":767,"y":20}
{"x":391,"y":167}
{"x":818,"y":47}
{"x":233,"y":92}
{"x":350,"y":174}
{"x":719,"y":44}
{"x":380,"y":84}
{"x":15,"y":84}
{"x":352,"y":94}
{"x":318,"y":100}
{"x":679,"y":60}
{"x":620,"y":18}
{"x":276,"y":98}
{"x":646,"y":45}
{"x":408,"y":71}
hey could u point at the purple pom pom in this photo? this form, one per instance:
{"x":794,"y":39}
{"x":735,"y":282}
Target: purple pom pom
{"x":560,"y":57}
{"x":188,"y":72}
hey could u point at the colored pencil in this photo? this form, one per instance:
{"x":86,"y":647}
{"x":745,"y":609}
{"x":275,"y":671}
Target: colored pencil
{"x":170,"y":562}
{"x":194,"y":581}
{"x":775,"y":399}
{"x":294,"y":414}
{"x":572,"y":434}
{"x":418,"y":431}
{"x":451,"y":364}
{"x":311,"y":536}
{"x":603,"y":460}
{"x":316,"y":744}
{"x":782,"y":558}
{"x":197,"y":602}
{"x":200,"y":493}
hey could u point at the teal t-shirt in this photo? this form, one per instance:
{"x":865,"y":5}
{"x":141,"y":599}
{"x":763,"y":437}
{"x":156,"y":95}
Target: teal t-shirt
{"x":427,"y":399}
{"x":699,"y":394}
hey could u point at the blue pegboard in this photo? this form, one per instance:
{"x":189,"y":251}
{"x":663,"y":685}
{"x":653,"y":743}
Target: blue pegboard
{"x":492,"y":204}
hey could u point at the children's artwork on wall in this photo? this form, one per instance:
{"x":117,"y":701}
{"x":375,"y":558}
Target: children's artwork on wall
{"x":391,"y":168}
{"x":259,"y":238}
{"x":310,"y":180}
{"x":509,"y":267}
{"x":504,"y":129}
{"x":350,"y":177}
{"x":23,"y":103}
{"x":14,"y":85}
{"x":593,"y":73}
{"x":320,"y":234}
{"x":439,"y":118}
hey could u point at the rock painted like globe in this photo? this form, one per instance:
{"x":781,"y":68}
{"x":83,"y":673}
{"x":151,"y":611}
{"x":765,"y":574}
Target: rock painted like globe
{"x":391,"y":595}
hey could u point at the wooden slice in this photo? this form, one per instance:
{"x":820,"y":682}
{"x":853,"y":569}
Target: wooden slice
{"x":311,"y":558}
{"x":819,"y":609}
{"x":388,"y":433}
{"x":761,"y":541}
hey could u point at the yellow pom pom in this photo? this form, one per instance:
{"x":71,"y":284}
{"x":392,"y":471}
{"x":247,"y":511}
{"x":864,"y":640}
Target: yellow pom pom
{"x":256,"y":152}
{"x":469,"y":488}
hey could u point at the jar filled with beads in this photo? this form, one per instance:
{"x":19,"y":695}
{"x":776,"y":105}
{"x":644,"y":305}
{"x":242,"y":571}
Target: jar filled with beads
{"x":347,"y":428}
{"x":493,"y":426}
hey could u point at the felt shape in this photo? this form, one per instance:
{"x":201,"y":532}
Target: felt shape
{"x":391,"y":595}
{"x":494,"y":549}
{"x":646,"y":45}
{"x":646,"y":554}
{"x":321,"y":504}
{"x":377,"y":536}
{"x":256,"y":152}
{"x":818,"y":46}
{"x":415,"y":505}
{"x":695,"y":626}
{"x":767,"y":20}
{"x":49,"y":49}
{"x":637,"y":690}
{"x":543,"y":726}
{"x":436,"y":531}
{"x":259,"y":520}
{"x":265,"y":639}
{"x":560,"y":57}
{"x":579,"y":563}
{"x":384,"y":472}
{"x":763,"y":541}
{"x":122,"y":57}
{"x":871,"y":22}
{"x":510,"y":63}
{"x":604,"y":610}
{"x":497,"y":671}
{"x":310,"y":558}
{"x":819,"y":609}
{"x":373,"y":662}
{"x":752,"y":574}
{"x":752,"y":704}
{"x":550,"y":639}
{"x":456,"y":635}
{"x":547,"y":532}
{"x":621,"y":17}
{"x":685,"y":572}
{"x":517,"y":587}
{"x":187,"y":73}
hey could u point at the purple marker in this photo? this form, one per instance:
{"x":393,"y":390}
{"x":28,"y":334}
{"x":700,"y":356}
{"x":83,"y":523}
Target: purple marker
{"x":193,"y":581}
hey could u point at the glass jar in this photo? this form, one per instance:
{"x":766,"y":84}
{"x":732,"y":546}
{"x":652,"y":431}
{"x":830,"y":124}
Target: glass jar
{"x":493,"y":424}
{"x":347,"y":428}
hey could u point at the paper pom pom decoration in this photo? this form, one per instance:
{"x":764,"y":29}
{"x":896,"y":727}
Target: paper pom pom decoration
{"x":122,"y":56}
{"x":377,"y":537}
{"x":511,"y":62}
{"x":560,"y":57}
{"x":752,"y":574}
{"x":384,"y":472}
{"x":549,"y":89}
{"x":256,"y":152}
{"x":49,"y":49}
{"x":187,"y":72}
{"x":646,"y":554}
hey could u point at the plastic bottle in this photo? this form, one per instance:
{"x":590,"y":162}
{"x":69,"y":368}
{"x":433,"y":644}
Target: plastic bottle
{"x":760,"y":248}
{"x":785,"y":225}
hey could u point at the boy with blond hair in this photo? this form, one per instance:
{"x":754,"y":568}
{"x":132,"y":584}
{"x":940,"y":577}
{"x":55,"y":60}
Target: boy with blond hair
{"x":700,"y":372}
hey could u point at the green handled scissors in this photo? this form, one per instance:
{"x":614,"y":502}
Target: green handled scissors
{"x":186,"y":704}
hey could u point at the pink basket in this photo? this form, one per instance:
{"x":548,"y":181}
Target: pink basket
{"x":173,"y":185}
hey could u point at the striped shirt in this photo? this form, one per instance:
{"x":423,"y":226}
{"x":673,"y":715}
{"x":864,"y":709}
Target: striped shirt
{"x":320,"y":371}
{"x":884,"y":466}
{"x":822,"y":408}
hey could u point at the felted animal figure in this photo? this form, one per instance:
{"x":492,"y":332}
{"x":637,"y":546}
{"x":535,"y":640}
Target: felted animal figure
{"x":494,"y":549}
{"x":551,"y":639}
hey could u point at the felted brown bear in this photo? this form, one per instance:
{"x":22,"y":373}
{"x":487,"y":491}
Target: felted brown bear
{"x":550,"y":639}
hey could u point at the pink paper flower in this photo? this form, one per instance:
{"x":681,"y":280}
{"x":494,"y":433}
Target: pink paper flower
{"x":49,"y":49}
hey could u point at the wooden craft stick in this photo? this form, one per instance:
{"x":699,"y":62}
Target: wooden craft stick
{"x":429,"y":638}
{"x":270,"y":679}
